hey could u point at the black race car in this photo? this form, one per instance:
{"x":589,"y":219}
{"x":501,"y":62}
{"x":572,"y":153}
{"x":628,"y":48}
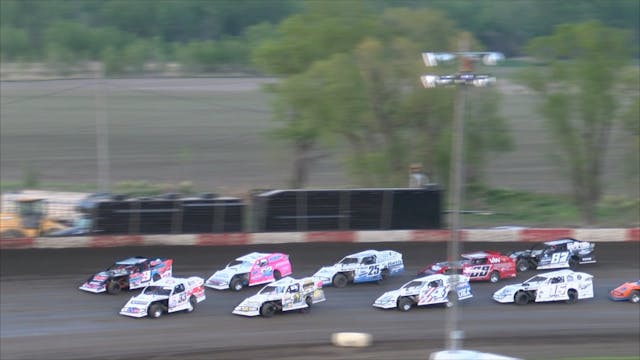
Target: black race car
{"x":561,"y":253}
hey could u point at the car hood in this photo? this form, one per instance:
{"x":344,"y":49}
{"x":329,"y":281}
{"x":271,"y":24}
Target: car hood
{"x":257,"y":299}
{"x":329,"y":271}
{"x":228,"y":272}
{"x":389,"y":296}
{"x":144,"y":300}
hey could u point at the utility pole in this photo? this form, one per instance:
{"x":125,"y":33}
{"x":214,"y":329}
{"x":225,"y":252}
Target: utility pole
{"x":464,"y":77}
{"x":102,"y":132}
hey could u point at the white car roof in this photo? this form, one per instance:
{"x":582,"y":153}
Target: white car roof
{"x":560,"y":241}
{"x":430,"y":278}
{"x":131,"y":261}
{"x":168,"y":282}
{"x":562,"y":272}
{"x":477,"y":255}
{"x":364,"y":253}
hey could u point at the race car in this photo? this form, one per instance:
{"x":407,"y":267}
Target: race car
{"x":428,"y":290}
{"x":131,"y":273}
{"x":628,"y":291}
{"x":478,"y":266}
{"x":561,"y":253}
{"x":285,"y":294}
{"x":557,"y":285}
{"x":167,"y":295}
{"x":365,"y":266}
{"x":442,"y":267}
{"x":249,"y":270}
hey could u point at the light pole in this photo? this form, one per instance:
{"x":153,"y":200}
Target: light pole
{"x":102,"y":133}
{"x":464,"y":77}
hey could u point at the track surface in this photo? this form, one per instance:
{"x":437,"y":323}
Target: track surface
{"x":44,"y":316}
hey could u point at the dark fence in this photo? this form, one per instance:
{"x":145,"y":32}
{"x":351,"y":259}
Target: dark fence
{"x":275,"y":210}
{"x":168,"y":216}
{"x":349,"y":209}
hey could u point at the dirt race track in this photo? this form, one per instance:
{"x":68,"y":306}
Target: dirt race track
{"x":45,"y":316}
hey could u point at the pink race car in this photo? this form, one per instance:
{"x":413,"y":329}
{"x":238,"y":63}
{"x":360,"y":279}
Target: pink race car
{"x":249,"y":270}
{"x":478,"y":266}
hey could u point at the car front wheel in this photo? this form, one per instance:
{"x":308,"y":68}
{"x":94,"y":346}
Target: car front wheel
{"x":113,"y":287}
{"x":635,"y":297}
{"x":494,"y":277}
{"x":404,"y":304}
{"x":236,"y":284}
{"x":521,"y":298}
{"x":155,"y":311}
{"x":267,"y":310}
{"x":339,"y":280}
{"x":522,"y":265}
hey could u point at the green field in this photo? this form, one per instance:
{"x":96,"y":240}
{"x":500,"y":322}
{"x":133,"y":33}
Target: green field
{"x":212,"y":133}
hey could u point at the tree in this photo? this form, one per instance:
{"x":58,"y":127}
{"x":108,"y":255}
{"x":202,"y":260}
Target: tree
{"x":579,"y":100}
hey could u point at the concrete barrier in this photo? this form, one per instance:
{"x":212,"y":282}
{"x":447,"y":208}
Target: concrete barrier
{"x":467,"y":235}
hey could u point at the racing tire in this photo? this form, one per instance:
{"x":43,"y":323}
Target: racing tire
{"x":573,"y":296}
{"x":309,"y":301}
{"x":573,"y":263}
{"x":494,"y":277}
{"x":155,"y":311}
{"x":276,"y":275}
{"x":156,"y":277}
{"x":267,"y":310}
{"x":522,"y":265}
{"x":339,"y":280}
{"x":450,"y":300}
{"x":521,"y":298}
{"x":404,"y":304}
{"x":383,"y":275}
{"x":236,"y":284}
{"x":635,"y":297}
{"x":113,"y":287}
{"x":193,"y":302}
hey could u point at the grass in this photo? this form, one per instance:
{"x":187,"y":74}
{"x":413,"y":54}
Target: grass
{"x":210,"y":134}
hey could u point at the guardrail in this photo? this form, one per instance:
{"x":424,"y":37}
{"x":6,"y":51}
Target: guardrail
{"x":468,"y":235}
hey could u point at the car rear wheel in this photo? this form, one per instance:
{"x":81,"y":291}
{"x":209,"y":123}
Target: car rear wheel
{"x":113,"y":287}
{"x":494,"y":277}
{"x":155,"y":311}
{"x":573,"y":296}
{"x":340,"y":280}
{"x":573,"y":263}
{"x":277,"y":275}
{"x":156,"y":277}
{"x":193,"y":302}
{"x":404,"y":304}
{"x":267,"y":309}
{"x":236,"y":284}
{"x":522,"y":265}
{"x":635,"y":296}
{"x":383,"y":275}
{"x":521,"y":298}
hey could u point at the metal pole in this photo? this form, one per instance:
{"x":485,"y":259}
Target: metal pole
{"x":454,"y":335}
{"x":102,"y":133}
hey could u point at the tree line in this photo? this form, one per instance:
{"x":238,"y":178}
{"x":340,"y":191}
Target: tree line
{"x":217,"y":35}
{"x":348,"y":72}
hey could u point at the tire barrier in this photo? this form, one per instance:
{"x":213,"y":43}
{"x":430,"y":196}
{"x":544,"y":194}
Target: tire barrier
{"x":218,"y":239}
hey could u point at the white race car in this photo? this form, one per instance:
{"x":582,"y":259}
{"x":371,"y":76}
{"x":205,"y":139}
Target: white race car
{"x":428,"y":290}
{"x":365,"y":266}
{"x":283,"y":295}
{"x":558,"y":285}
{"x":166,"y":296}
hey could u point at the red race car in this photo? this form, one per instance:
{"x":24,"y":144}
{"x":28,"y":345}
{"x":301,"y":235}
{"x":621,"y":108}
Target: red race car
{"x":478,"y":266}
{"x":627,"y":291}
